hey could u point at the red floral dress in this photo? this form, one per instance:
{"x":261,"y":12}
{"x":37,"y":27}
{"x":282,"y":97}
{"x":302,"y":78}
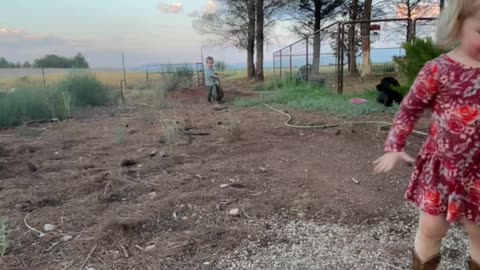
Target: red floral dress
{"x":446,"y":178}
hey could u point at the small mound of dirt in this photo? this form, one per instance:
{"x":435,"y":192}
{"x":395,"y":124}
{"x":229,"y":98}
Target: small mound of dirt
{"x":190,"y":95}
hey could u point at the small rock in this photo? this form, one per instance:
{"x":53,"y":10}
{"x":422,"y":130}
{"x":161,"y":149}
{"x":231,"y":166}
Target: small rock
{"x":152,"y":195}
{"x":199,"y":176}
{"x":90,"y":268}
{"x":132,"y":131}
{"x":116,"y":255}
{"x":153,"y":153}
{"x":32,"y":166}
{"x":262,"y":169}
{"x":49,"y":227}
{"x":184,"y":218}
{"x":67,"y":238}
{"x":163,"y":154}
{"x":206,"y":263}
{"x":224,"y":185}
{"x":150,"y":248}
{"x":234,"y":212}
{"x":128,"y":162}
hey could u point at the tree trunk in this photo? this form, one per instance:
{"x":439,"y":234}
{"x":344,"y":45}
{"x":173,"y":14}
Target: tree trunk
{"x":409,"y":24}
{"x":316,"y":38}
{"x":260,"y":39}
{"x":366,"y":59}
{"x":352,"y":64}
{"x":442,"y":4}
{"x":251,"y":40}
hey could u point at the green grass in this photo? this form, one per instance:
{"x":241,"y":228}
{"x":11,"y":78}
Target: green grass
{"x":305,"y":97}
{"x":36,"y":102}
{"x":4,"y":243}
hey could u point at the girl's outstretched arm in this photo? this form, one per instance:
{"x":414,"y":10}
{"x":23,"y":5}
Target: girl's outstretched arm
{"x":420,"y":96}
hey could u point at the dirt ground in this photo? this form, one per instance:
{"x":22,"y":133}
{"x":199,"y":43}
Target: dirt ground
{"x":123,"y":192}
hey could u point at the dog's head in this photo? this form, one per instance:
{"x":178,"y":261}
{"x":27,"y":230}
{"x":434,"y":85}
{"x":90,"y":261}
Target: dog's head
{"x":386,"y":84}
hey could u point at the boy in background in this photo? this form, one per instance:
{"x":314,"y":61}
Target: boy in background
{"x":211,"y":82}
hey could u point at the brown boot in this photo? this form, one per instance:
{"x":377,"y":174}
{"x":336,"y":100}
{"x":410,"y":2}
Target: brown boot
{"x":473,"y":265}
{"x":430,"y":264}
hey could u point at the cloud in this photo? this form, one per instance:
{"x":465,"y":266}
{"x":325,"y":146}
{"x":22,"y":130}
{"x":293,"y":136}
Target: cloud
{"x":11,"y":38}
{"x":172,"y":8}
{"x":211,"y":6}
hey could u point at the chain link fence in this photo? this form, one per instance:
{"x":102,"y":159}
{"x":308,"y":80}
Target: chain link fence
{"x":350,"y":56}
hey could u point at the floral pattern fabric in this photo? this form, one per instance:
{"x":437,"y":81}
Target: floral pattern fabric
{"x":446,"y":177}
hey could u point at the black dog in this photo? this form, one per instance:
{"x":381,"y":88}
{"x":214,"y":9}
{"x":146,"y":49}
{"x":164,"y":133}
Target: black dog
{"x":387,"y":95}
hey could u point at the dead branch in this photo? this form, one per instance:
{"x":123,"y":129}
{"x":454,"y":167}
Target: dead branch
{"x":30,"y":227}
{"x":88,"y":257}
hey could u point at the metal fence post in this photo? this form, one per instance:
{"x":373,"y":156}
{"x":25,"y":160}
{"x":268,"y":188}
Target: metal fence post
{"x":273,"y":57}
{"x":280,"y":64}
{"x":306,"y":64}
{"x":290,"y":60}
{"x":340,"y":52}
{"x":414,"y":29}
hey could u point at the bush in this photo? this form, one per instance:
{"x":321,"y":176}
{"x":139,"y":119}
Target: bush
{"x":35,"y":102}
{"x":220,"y":66}
{"x":417,"y":53}
{"x":85,"y":89}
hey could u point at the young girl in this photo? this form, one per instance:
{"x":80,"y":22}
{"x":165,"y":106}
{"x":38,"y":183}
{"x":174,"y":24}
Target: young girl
{"x":445,"y":184}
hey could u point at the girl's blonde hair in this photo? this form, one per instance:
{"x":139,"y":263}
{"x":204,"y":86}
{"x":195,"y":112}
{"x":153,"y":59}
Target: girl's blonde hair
{"x":451,"y":20}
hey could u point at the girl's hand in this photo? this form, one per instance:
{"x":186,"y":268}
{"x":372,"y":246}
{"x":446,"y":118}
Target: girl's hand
{"x":386,"y":162}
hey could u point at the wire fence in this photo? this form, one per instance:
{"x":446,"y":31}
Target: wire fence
{"x":350,"y":56}
{"x":195,"y":71}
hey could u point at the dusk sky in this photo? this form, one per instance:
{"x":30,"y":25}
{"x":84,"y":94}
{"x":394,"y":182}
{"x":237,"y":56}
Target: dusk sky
{"x":149,"y":31}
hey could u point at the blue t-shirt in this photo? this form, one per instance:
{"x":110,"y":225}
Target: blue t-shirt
{"x":210,"y":77}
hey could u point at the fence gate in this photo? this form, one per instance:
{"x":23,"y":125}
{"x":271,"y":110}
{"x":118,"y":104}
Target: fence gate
{"x":193,"y":70}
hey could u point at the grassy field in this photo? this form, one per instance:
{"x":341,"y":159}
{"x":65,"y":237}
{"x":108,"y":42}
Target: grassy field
{"x":10,"y":78}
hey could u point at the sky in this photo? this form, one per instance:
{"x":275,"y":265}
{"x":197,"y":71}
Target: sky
{"x":148,"y":31}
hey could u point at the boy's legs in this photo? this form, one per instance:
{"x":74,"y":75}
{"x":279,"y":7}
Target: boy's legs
{"x":214,"y":93}
{"x":430,"y":233}
{"x":209,"y":93}
{"x":473,"y":231}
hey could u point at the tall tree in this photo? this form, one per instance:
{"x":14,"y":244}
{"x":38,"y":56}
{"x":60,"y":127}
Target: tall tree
{"x":235,"y":23}
{"x":412,"y":9}
{"x":79,"y":61}
{"x":251,"y":6}
{"x":365,"y":32}
{"x":352,"y":63}
{"x":260,"y":39}
{"x":309,"y":16}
